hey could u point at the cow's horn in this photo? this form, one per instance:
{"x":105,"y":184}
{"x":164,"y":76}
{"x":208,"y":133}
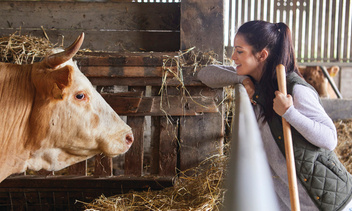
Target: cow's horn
{"x":59,"y":58}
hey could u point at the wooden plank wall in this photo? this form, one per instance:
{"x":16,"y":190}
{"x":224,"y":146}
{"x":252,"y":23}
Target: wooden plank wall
{"x":202,"y":26}
{"x":126,"y":29}
{"x":145,"y":70}
{"x":109,"y":26}
{"x":191,"y":133}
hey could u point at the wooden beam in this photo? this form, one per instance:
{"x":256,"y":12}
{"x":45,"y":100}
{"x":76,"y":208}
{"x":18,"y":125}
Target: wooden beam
{"x":202,"y":26}
{"x":103,"y":166}
{"x":168,"y":147}
{"x":134,"y":156}
{"x":116,"y":41}
{"x":90,"y":16}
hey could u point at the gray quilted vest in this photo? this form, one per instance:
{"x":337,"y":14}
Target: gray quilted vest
{"x":324,"y":177}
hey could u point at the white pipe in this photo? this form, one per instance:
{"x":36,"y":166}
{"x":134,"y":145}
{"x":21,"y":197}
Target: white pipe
{"x":249,"y":183}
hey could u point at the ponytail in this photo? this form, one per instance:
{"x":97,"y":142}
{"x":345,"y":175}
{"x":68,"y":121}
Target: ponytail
{"x":285,"y":50}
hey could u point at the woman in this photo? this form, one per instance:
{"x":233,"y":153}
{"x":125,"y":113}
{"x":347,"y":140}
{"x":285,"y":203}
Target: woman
{"x":323,"y":182}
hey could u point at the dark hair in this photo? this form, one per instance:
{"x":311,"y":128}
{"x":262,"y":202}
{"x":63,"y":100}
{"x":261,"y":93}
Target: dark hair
{"x":276,"y":39}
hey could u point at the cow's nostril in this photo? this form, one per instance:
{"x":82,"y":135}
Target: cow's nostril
{"x":129,"y":138}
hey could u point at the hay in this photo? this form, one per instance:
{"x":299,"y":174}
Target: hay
{"x":344,"y":145}
{"x":23,"y":49}
{"x":202,"y":190}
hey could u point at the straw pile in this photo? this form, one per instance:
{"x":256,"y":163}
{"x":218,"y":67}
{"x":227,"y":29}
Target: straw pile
{"x":20,"y":49}
{"x":202,"y":190}
{"x":344,"y":145}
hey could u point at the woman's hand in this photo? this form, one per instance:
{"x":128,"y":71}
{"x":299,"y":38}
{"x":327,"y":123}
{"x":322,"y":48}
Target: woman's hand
{"x":249,"y":86}
{"x":281,"y":103}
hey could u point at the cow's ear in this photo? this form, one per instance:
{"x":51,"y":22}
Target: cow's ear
{"x":333,"y":70}
{"x":61,"y":78}
{"x":52,"y":82}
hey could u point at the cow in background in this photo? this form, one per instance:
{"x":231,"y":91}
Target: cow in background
{"x":52,"y":117}
{"x":314,"y":76}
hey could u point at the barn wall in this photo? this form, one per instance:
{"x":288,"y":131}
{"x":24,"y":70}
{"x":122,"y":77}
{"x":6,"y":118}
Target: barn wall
{"x":109,"y":26}
{"x":345,"y":81}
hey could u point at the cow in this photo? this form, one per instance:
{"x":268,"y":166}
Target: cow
{"x":52,"y":117}
{"x":315,"y":77}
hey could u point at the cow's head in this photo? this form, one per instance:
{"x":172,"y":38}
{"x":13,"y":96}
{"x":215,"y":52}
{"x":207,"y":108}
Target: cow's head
{"x":315,"y":77}
{"x":70,"y":121}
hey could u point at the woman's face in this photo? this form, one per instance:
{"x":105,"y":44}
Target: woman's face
{"x":247,"y":63}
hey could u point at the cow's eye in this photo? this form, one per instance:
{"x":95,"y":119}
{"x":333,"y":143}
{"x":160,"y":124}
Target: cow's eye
{"x":80,"y":96}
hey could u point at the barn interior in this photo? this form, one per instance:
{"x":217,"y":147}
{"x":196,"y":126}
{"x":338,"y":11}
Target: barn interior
{"x":142,"y":56}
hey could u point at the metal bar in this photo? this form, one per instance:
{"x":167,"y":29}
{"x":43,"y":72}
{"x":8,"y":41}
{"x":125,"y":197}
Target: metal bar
{"x":261,"y":10}
{"x":346,"y":30}
{"x":328,"y":64}
{"x":320,"y":32}
{"x":231,"y":25}
{"x":334,"y":13}
{"x":331,"y":82}
{"x":314,"y":28}
{"x":327,"y":31}
{"x":256,"y":9}
{"x":249,"y":182}
{"x":308,"y":33}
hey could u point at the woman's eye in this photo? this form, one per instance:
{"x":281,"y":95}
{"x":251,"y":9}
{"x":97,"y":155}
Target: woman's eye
{"x":239,"y":52}
{"x":80,"y":96}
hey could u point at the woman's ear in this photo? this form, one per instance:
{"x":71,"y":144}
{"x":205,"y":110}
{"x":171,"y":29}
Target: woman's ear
{"x":263,"y":55}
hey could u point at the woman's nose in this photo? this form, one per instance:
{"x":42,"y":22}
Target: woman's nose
{"x":233,"y":57}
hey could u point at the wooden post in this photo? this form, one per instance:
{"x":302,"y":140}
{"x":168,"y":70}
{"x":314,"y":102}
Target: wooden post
{"x":103,"y":166}
{"x":290,"y":159}
{"x":134,"y":156}
{"x":202,"y":26}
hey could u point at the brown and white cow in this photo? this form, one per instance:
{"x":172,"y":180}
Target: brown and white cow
{"x":315,"y":77}
{"x":52,"y":117}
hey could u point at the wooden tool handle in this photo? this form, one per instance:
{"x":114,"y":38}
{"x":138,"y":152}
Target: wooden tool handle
{"x":290,"y":159}
{"x":281,"y":78}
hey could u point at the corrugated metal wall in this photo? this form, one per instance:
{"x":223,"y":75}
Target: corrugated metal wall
{"x":156,"y":1}
{"x":321,"y":29}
